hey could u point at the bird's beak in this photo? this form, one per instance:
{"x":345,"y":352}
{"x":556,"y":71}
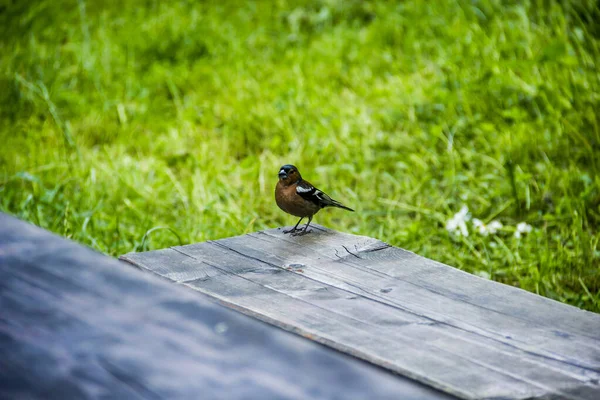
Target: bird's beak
{"x":282,"y":174}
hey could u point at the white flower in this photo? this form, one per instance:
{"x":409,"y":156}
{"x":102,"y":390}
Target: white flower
{"x":458,"y":223}
{"x":495,"y":226}
{"x":522,"y":228}
{"x":490,"y":228}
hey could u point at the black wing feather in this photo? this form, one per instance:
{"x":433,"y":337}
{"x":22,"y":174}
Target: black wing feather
{"x":316,"y":196}
{"x":309,"y":192}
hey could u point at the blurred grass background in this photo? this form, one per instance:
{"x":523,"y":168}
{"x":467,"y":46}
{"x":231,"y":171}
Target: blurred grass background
{"x":129,"y":125}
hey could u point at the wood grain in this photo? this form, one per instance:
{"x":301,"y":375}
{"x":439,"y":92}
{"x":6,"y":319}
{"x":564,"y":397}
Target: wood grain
{"x":467,"y":336}
{"x":75,"y":324}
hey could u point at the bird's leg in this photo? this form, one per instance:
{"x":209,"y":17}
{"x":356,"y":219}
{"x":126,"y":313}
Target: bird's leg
{"x":304,"y":231}
{"x":294,"y":228}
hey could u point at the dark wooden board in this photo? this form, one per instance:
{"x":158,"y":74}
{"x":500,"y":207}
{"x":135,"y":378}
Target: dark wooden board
{"x":462,"y":334}
{"x":75,"y":324}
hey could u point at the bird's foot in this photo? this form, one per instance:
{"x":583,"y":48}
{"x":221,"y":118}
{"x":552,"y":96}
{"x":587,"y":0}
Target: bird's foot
{"x":291,"y":231}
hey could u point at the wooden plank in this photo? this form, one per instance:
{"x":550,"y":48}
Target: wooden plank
{"x":77,"y":324}
{"x":447,"y":304}
{"x":467,"y":336}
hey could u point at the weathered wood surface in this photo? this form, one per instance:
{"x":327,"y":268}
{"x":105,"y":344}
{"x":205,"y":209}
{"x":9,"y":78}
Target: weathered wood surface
{"x":467,"y":336}
{"x":75,"y":324}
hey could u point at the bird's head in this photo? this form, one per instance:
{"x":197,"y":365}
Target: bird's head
{"x":289,"y":174}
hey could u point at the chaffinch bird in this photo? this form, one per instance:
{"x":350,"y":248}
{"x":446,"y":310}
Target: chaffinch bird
{"x":298,"y":197}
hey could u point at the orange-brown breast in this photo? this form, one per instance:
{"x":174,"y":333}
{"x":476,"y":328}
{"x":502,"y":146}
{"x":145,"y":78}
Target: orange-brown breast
{"x":289,"y":201}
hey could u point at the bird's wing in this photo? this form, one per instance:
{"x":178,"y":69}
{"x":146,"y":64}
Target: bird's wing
{"x":308,"y":192}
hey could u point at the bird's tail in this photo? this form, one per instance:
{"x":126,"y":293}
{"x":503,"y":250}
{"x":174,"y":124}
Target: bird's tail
{"x":339,"y":205}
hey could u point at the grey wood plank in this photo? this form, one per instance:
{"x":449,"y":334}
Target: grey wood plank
{"x":382,"y":319}
{"x":77,"y":324}
{"x":350,"y":272}
{"x":345,"y":332}
{"x":331,"y":287}
{"x":332,"y":305}
{"x":436,"y":276}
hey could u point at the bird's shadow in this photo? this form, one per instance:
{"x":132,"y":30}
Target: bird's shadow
{"x":312,"y":231}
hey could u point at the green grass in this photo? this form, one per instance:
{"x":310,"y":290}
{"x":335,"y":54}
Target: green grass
{"x":117,"y":120}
